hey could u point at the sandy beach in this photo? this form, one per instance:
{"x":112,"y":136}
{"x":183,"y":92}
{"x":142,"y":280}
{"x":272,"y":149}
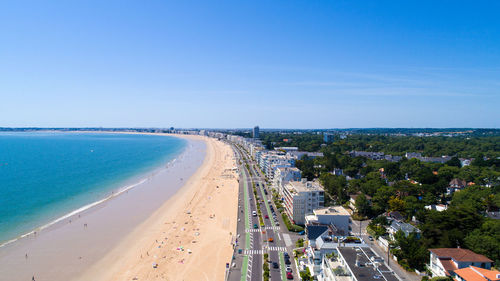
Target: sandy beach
{"x":183,"y":219}
{"x":189,"y":237}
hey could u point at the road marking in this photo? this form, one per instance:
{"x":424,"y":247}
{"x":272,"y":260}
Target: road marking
{"x":272,"y":227}
{"x":288,"y":240}
{"x":263,"y":251}
{"x":279,"y":237}
{"x":254,"y":252}
{"x":252,"y":230}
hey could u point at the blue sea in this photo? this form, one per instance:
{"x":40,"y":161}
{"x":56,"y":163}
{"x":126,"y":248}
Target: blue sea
{"x":44,"y":176}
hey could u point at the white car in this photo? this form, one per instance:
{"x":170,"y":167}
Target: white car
{"x":254,"y":213}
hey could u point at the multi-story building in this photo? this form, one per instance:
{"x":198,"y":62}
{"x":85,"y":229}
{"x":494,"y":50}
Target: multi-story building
{"x":355,"y":264}
{"x":256,"y":133}
{"x":301,"y":198}
{"x":283,"y":175}
{"x":335,"y":216}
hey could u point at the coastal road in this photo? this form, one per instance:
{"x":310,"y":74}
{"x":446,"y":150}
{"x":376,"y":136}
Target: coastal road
{"x":248,"y":263}
{"x":286,"y":239}
{"x":254,"y":242}
{"x":274,"y":226}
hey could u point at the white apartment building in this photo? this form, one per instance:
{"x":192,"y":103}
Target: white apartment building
{"x":301,"y":198}
{"x":283,"y":175}
{"x":336,"y":216}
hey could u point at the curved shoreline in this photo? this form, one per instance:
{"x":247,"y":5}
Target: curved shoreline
{"x":199,"y":220}
{"x":65,"y":249}
{"x":114,"y":193}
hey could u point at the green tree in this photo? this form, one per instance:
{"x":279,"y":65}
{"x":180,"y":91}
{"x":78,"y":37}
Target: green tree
{"x":363,"y":205}
{"x":454,"y":161}
{"x":486,"y":240}
{"x":410,"y":250}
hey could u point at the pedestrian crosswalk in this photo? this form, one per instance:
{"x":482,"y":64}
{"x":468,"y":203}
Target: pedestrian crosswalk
{"x":254,"y":252}
{"x":260,"y":229}
{"x":272,"y":227}
{"x":265,"y":250}
{"x":276,"y":249}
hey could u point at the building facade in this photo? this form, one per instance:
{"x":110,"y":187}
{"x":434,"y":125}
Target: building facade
{"x":301,"y":198}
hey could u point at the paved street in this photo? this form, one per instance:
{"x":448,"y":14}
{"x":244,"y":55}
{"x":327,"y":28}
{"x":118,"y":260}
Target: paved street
{"x":253,"y":239}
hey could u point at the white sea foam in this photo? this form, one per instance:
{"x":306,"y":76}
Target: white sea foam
{"x":121,"y":190}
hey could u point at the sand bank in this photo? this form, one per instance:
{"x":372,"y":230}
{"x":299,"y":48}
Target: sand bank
{"x":76,"y":248}
{"x":189,"y":237}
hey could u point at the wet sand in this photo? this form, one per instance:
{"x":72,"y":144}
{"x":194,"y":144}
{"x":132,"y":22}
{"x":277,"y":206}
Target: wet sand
{"x":189,"y":237}
{"x":74,"y":250}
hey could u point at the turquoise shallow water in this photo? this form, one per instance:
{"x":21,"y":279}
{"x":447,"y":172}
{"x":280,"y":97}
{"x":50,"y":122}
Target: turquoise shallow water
{"x":46,"y":175}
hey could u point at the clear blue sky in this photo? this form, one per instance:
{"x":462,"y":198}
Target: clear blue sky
{"x":227,"y":64}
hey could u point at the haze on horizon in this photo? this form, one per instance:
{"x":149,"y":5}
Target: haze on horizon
{"x":232,"y":64}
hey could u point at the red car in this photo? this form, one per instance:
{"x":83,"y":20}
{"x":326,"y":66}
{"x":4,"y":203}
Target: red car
{"x":267,"y":216}
{"x":289,"y":275}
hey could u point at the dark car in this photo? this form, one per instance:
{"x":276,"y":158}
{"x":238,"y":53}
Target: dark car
{"x":275,"y":265}
{"x":287,"y":261}
{"x":286,"y":255}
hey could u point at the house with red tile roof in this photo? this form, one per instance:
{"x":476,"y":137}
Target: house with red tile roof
{"x":445,"y":261}
{"x":473,"y":273}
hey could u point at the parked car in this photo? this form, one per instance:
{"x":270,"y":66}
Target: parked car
{"x":288,"y":268}
{"x":286,"y":255}
{"x":289,"y":275}
{"x":370,"y":238}
{"x":287,"y":261}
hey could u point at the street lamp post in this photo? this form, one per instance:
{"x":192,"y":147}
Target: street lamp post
{"x":388,"y":252}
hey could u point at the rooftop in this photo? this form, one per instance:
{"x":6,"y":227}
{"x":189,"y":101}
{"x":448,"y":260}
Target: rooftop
{"x":288,"y":169}
{"x":334,"y":210}
{"x":315,"y":231}
{"x":405,"y":227}
{"x":459,"y":254}
{"x":304,"y":186}
{"x":364,"y":269}
{"x":473,"y":273}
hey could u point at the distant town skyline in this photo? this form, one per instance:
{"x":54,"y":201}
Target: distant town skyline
{"x":224,"y":64}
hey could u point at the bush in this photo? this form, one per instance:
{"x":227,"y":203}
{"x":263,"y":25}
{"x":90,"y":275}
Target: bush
{"x":300,"y":243}
{"x":306,"y":275}
{"x":289,"y":225}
